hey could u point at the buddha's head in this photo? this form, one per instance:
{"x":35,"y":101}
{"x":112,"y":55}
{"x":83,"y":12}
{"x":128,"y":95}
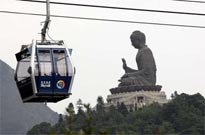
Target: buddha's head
{"x":138,"y":39}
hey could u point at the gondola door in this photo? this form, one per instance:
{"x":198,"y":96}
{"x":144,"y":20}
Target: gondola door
{"x":45,"y":76}
{"x":61,"y":79}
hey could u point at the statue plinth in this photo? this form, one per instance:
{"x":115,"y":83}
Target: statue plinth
{"x":133,"y":88}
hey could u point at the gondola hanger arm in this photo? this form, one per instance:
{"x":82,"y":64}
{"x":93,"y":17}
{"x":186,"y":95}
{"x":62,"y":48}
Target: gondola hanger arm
{"x":46,"y":23}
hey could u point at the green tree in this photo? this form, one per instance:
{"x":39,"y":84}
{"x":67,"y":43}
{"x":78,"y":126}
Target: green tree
{"x":43,"y":128}
{"x":100,"y":104}
{"x":70,"y":120}
{"x":79,"y":105}
{"x":88,"y":129}
{"x":59,"y":128}
{"x":71,"y":107}
{"x":123,"y":109}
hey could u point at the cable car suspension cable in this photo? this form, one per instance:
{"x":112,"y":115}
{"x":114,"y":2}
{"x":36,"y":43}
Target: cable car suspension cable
{"x":120,"y":8}
{"x":194,"y":1}
{"x":107,"y":20}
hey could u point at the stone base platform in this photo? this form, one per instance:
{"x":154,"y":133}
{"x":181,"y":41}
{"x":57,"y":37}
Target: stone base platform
{"x":136,"y":96}
{"x":134,"y":88}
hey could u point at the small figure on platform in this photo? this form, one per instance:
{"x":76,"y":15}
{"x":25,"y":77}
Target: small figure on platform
{"x":146,"y":73}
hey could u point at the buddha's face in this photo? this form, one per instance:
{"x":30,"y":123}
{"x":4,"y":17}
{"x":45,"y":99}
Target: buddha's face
{"x":135,"y":42}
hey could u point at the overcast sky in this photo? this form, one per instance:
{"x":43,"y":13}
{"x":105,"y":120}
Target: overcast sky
{"x":99,"y":46}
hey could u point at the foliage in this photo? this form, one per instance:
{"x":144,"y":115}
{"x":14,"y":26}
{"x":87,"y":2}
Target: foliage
{"x":186,"y":113}
{"x":183,"y":115}
{"x":100,"y":104}
{"x":43,"y":128}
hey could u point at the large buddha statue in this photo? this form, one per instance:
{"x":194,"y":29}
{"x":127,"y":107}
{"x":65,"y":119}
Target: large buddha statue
{"x":146,"y":73}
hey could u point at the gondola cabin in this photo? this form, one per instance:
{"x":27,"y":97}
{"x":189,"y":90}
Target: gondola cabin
{"x":44,"y":72}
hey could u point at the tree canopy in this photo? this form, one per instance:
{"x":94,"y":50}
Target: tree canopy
{"x":183,"y":115}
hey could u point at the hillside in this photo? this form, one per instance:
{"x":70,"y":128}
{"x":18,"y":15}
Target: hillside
{"x":17,"y":117}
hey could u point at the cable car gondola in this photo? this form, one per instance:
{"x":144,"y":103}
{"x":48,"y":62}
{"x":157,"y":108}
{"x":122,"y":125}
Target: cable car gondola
{"x":44,"y":71}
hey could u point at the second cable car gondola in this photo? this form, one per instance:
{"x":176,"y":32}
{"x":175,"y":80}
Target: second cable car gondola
{"x":44,"y":72}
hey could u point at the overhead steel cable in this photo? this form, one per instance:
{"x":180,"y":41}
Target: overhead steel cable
{"x":106,"y":20}
{"x":120,"y":8}
{"x":194,"y":1}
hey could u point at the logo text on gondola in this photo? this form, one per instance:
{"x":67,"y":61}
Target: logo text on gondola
{"x":46,"y":84}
